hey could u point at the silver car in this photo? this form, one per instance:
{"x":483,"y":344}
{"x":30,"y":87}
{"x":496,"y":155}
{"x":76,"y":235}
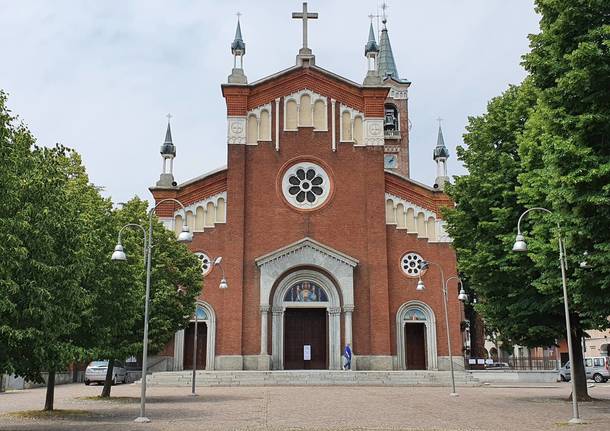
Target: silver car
{"x":597,"y":369}
{"x":96,"y":372}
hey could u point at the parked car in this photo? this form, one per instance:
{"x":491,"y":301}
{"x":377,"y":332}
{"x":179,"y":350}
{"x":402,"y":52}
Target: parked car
{"x":597,"y":369}
{"x":497,"y":366}
{"x":96,"y":372}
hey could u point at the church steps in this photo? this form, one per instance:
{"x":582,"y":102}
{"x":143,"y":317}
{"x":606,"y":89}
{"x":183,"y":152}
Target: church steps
{"x":313,"y":378}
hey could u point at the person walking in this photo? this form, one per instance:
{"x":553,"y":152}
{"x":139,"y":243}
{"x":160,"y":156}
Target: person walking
{"x":347,"y":354}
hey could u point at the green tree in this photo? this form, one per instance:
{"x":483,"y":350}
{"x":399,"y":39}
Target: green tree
{"x":176,"y":282}
{"x":41,"y":298}
{"x":483,"y":225}
{"x":566,"y":157}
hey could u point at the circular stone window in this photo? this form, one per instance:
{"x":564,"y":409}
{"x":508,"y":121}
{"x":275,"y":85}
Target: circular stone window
{"x":306,"y":185}
{"x":205,"y":262}
{"x":410,"y":264}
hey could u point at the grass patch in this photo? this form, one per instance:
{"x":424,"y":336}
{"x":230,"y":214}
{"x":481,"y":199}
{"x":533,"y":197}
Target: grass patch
{"x":42,"y":414}
{"x":110,"y":399}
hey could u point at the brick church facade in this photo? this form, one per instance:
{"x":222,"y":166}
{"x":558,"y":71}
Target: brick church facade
{"x":319,"y":227}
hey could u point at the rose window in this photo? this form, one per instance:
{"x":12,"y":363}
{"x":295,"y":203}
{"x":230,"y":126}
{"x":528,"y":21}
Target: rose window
{"x":410,"y":264}
{"x":205,"y":262}
{"x":306,"y":185}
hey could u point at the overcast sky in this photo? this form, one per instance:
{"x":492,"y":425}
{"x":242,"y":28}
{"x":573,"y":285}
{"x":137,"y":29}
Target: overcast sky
{"x":100,"y":76}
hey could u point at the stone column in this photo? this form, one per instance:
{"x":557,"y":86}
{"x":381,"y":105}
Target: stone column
{"x":178,"y":350}
{"x":264,"y":332}
{"x":277,"y":338}
{"x":348,"y":324}
{"x":334,"y":319}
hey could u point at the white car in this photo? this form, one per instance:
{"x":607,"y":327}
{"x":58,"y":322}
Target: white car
{"x":597,"y":369}
{"x":96,"y":372}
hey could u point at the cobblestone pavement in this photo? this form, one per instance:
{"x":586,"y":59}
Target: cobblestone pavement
{"x":496,"y":408}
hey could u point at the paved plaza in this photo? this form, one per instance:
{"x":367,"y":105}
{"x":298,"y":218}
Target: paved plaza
{"x":495,"y":407}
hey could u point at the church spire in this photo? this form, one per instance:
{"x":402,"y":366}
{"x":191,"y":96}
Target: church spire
{"x":387,"y":65}
{"x":371,"y":52}
{"x":238,"y":49}
{"x":168,"y":152}
{"x":440,"y":156}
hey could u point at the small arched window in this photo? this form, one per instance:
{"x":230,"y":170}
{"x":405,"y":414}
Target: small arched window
{"x":291,"y":115}
{"x":252,"y":136}
{"x":306,"y":292}
{"x":346,"y":126}
{"x":319,"y":115}
{"x":415,"y":314}
{"x":305,"y":111}
{"x":265,"y":126}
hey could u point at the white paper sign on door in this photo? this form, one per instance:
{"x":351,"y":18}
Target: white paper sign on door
{"x":307,"y":352}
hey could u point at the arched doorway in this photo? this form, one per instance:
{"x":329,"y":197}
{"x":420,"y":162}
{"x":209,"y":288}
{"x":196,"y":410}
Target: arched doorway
{"x":306,"y":329}
{"x":206,"y":340}
{"x":196,"y":326}
{"x":416,"y":337}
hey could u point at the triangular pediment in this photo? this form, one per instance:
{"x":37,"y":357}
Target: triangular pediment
{"x":306,"y":244}
{"x":313,"y":78}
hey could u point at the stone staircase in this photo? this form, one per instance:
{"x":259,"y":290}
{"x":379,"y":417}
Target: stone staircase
{"x":311,"y":378}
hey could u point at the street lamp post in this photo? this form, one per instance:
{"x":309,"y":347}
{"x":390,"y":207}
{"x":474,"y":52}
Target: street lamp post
{"x":462,"y":296}
{"x":223,"y":285}
{"x":184,"y":236}
{"x":521,"y":247}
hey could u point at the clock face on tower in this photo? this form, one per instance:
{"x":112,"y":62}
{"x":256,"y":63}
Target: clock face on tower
{"x":390,"y":161}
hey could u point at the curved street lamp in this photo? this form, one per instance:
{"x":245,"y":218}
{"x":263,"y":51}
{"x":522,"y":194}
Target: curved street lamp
{"x":420,"y":287}
{"x":520,"y":246}
{"x":119,"y":255}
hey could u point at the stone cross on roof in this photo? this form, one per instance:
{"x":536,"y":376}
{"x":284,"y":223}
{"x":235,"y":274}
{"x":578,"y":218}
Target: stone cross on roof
{"x":304,"y":15}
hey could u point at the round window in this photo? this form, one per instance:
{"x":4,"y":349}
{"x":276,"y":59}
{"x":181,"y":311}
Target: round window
{"x":410,"y":264}
{"x":205,"y":262}
{"x":306,"y":185}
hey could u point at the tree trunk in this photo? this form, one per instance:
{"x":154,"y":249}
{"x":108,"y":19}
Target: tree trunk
{"x":580,"y":378}
{"x":108,"y":381}
{"x":48,"y":403}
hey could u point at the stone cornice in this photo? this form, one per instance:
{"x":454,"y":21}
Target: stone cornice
{"x":302,"y":244}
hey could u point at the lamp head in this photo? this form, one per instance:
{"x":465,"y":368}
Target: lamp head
{"x":420,"y":285}
{"x":223,"y":284}
{"x":423,"y":265}
{"x":462,"y":296}
{"x":520,"y":245}
{"x":118,"y":253}
{"x":185,"y":235}
{"x":218,"y":260}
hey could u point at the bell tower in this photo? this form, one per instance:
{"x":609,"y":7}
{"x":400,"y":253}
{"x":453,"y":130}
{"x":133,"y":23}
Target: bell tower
{"x":396,"y":111}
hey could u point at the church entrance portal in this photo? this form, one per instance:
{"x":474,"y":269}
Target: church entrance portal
{"x":202,"y":342}
{"x":415,"y":342}
{"x":305,"y":339}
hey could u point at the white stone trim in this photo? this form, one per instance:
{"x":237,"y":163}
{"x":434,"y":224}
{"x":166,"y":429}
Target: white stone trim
{"x":332,"y":307}
{"x":441,"y":233}
{"x":353,"y":114}
{"x":398,"y":93}
{"x":236,"y":130}
{"x":257,"y":113}
{"x":203,"y":204}
{"x":211,"y":339}
{"x":314,"y":97}
{"x":333,"y":104}
{"x":307,"y":252}
{"x":373,"y":132}
{"x":432,"y":352}
{"x":277,"y":124}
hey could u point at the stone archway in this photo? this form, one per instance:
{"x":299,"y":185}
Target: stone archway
{"x":429,"y":321}
{"x":310,"y":254}
{"x":210,"y":322}
{"x":332,"y":306}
